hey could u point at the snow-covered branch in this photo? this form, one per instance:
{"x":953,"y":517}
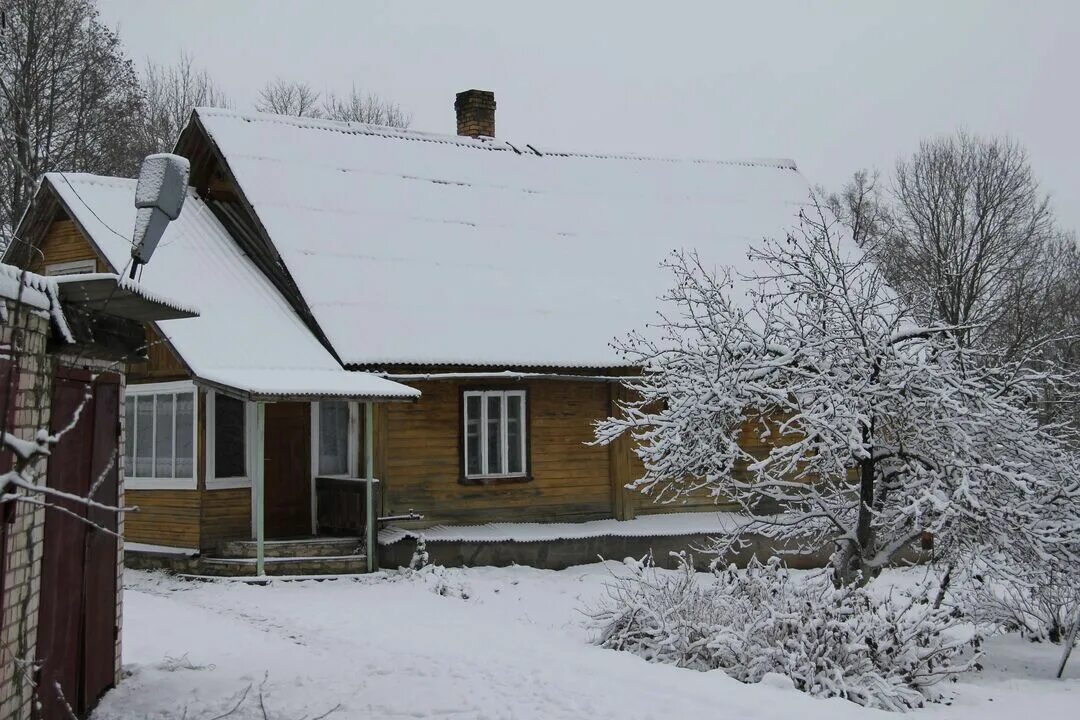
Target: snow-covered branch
{"x":806,"y":388}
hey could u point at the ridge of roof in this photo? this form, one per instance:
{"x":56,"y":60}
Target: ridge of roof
{"x":494,"y":144}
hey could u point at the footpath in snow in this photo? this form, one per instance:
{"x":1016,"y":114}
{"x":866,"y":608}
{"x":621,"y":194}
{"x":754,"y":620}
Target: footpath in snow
{"x":475,"y":643}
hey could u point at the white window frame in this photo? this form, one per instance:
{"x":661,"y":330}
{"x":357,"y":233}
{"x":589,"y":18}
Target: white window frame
{"x":352,"y":447}
{"x":484,"y":395}
{"x":250,"y":420}
{"x":133,"y":482}
{"x":73,"y":267}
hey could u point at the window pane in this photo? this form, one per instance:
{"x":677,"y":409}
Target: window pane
{"x":185,"y":435}
{"x":228,"y":437}
{"x":333,"y":438}
{"x":472,"y":435}
{"x":494,"y":435}
{"x":515,"y":424}
{"x":144,"y":450}
{"x":129,"y":435}
{"x":163,"y":437}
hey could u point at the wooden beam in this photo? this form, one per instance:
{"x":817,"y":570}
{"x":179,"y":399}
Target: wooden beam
{"x":623,"y":501}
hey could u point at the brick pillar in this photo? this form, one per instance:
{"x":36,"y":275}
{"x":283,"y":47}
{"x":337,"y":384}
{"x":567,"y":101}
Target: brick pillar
{"x":475,"y":113}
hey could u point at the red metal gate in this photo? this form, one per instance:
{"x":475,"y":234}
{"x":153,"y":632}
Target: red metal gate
{"x":77,"y":616}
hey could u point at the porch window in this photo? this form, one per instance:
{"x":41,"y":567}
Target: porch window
{"x":495,"y":428}
{"x":159,"y":445}
{"x":333,"y":424}
{"x":229,"y":433}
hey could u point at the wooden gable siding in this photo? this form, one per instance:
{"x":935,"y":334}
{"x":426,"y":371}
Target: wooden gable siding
{"x":161,"y":365}
{"x":418,"y":452}
{"x":64,"y":242}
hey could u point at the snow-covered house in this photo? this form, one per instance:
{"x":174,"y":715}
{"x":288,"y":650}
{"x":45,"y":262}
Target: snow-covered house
{"x":479,"y":280}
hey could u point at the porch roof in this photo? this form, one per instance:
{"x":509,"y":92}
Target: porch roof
{"x":269,"y":384}
{"x":247,"y":340}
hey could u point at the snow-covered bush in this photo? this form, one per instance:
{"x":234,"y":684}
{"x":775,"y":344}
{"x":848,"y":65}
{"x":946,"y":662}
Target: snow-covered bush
{"x":1041,"y":604}
{"x":887,"y":653}
{"x":420,"y":558}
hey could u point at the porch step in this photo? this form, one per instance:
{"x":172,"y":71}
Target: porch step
{"x":302,"y":548}
{"x":313,"y":565}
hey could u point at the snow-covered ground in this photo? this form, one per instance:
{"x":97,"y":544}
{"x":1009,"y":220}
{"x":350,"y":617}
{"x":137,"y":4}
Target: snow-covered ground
{"x":476,"y":643}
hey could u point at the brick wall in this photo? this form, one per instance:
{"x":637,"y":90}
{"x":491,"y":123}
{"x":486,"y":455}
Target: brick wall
{"x":23,"y":339}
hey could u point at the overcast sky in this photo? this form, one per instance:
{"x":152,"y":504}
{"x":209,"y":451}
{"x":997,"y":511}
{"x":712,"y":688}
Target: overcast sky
{"x":833,"y":85}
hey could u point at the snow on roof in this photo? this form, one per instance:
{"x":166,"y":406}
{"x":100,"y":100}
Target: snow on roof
{"x":247,"y":336}
{"x":114,"y":295}
{"x":419,"y":248}
{"x":37,"y":292}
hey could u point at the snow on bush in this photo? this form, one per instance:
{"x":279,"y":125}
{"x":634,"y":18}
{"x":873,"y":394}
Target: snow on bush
{"x":420,"y":558}
{"x":887,"y":653}
{"x":1038,"y":602}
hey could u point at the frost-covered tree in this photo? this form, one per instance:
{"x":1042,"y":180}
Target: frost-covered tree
{"x":881,"y":431}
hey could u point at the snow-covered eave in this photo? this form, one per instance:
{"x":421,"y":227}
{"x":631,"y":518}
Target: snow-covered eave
{"x":386,"y":391}
{"x":503,"y":375}
{"x":114,"y":295}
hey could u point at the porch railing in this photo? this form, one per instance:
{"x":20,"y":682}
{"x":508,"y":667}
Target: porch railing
{"x":340,"y":505}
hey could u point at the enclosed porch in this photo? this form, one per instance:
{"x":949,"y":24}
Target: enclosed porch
{"x":280,"y":468}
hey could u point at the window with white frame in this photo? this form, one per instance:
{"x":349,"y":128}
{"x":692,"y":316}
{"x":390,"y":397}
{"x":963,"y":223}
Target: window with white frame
{"x":334,"y":422}
{"x":159,"y":447}
{"x":495,"y":443}
{"x":74,"y":267}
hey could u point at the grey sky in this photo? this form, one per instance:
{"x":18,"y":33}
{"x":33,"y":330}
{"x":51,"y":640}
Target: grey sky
{"x":833,"y":85}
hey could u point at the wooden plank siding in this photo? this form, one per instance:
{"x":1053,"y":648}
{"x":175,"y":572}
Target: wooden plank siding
{"x":64,"y":243}
{"x":226,"y":515}
{"x":421,"y":463}
{"x":164,"y":517}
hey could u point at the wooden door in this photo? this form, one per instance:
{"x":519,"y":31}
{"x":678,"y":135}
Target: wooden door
{"x":287,"y":479}
{"x":77,"y":616}
{"x":99,"y":611}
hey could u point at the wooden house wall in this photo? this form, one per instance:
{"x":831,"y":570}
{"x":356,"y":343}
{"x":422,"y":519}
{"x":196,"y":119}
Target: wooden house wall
{"x":64,"y":243}
{"x":418,"y":458}
{"x":164,"y":517}
{"x":226,"y":515}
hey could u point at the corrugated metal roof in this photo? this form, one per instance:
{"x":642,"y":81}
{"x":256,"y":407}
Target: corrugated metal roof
{"x":247,"y":336}
{"x":414,"y":248}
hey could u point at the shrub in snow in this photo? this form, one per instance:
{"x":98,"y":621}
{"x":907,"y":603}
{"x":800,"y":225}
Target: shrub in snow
{"x":420,"y":557}
{"x":888,"y":653}
{"x":1040,"y":603}
{"x":874,"y":427}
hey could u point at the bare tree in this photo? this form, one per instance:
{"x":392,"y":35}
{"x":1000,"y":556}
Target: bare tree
{"x":68,"y":98}
{"x":289,"y":97}
{"x":171,"y":92}
{"x":969,"y":226}
{"x":363,"y":107}
{"x":860,"y":207}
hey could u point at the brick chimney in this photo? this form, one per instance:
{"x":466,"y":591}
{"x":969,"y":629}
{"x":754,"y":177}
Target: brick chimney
{"x":475,"y":113}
